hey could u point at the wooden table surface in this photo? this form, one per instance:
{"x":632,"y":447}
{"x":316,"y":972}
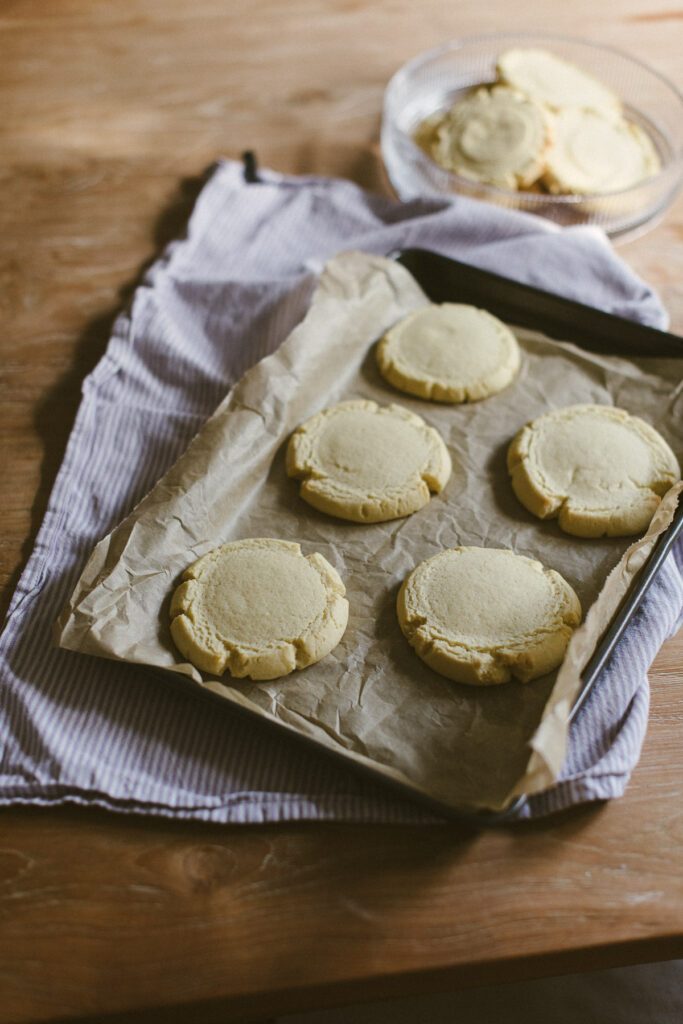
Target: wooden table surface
{"x":110,"y":113}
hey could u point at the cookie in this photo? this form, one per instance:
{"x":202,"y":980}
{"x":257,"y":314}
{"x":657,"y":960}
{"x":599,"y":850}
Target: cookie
{"x":593,"y":152}
{"x":485,"y":615}
{"x":449,"y":353}
{"x":367,"y":463}
{"x":258,"y":608}
{"x":495,"y":136}
{"x":426,"y":133}
{"x":554,"y":82}
{"x":597,"y":469}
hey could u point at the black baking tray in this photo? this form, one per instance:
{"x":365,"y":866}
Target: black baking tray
{"x":447,"y":280}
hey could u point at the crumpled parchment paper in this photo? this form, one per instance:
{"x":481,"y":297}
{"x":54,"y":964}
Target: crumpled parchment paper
{"x":372,"y":699}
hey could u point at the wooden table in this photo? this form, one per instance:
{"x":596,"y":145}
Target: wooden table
{"x":110,"y":112}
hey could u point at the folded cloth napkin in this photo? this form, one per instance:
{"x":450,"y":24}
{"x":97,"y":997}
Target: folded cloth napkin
{"x":75,"y":729}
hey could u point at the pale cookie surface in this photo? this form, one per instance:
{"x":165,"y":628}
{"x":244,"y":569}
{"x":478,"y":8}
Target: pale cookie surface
{"x":258,"y":608}
{"x":596,"y":468}
{"x":449,"y":353}
{"x":593,"y":153}
{"x":494,"y":136}
{"x":557,"y":83}
{"x":368,"y":463}
{"x":485,"y":615}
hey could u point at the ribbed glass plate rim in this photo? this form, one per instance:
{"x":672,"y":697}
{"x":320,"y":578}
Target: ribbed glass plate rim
{"x":669,"y":176}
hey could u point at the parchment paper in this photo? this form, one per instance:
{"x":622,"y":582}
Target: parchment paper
{"x":372,"y":699}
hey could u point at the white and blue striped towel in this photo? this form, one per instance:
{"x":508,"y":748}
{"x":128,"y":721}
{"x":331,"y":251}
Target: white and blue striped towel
{"x":81,"y":730}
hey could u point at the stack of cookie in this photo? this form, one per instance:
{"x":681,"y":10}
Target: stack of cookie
{"x":545,"y":125}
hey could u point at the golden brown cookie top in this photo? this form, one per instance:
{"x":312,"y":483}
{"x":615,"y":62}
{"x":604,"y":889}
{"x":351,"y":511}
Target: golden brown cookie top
{"x":258,"y":608}
{"x":596,"y":468}
{"x":368,"y":463}
{"x":485,"y":615}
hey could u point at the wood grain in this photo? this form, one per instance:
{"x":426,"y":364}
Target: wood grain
{"x":106,"y":914}
{"x":111,"y":115}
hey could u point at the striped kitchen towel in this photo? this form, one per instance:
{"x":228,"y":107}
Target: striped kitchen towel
{"x":82,"y":730}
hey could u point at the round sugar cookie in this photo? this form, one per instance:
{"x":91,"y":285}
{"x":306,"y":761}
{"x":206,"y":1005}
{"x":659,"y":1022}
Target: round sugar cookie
{"x":368,"y":463}
{"x":449,"y":353}
{"x":495,"y":136}
{"x":484,"y":615}
{"x":596,"y":468}
{"x":595,"y":153}
{"x":557,"y":83}
{"x":258,"y":608}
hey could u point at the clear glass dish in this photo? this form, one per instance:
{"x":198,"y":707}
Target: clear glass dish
{"x":433,"y":81}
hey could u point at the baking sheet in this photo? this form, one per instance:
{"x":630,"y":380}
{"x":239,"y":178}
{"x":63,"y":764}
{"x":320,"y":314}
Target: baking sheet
{"x":372,"y":699}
